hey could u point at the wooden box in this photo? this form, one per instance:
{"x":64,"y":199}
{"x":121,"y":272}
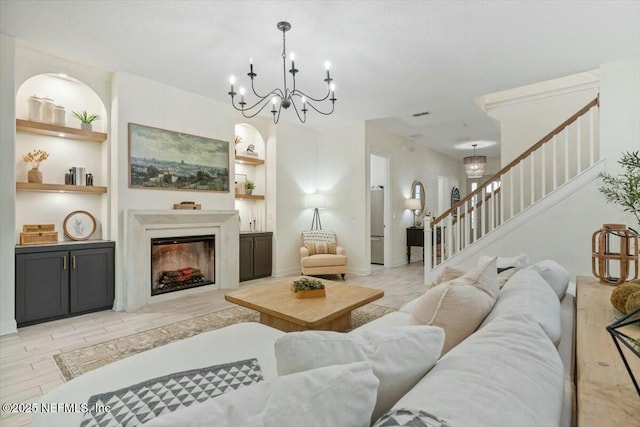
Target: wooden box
{"x":312,"y":293}
{"x":38,"y":227}
{"x":36,"y":237}
{"x":190,"y":206}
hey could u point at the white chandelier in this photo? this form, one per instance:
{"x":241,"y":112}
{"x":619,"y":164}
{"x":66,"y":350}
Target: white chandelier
{"x":283,"y":97}
{"x":474,"y":166}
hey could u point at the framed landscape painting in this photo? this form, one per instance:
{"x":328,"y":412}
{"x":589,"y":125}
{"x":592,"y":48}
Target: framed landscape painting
{"x":165,"y":160}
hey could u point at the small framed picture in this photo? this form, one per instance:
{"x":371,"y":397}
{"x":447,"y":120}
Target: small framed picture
{"x":79,"y":225}
{"x":241,"y":180}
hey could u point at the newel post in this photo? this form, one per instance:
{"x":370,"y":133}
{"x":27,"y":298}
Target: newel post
{"x":428,"y":249}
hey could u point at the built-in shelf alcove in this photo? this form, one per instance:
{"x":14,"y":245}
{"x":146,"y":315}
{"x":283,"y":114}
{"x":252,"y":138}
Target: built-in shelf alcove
{"x":67,"y":146}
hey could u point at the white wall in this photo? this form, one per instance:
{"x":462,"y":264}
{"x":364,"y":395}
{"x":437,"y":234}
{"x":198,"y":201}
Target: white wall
{"x":296,"y":175}
{"x":409,"y":161}
{"x":7,"y":184}
{"x":343,"y":175}
{"x":619,"y":109}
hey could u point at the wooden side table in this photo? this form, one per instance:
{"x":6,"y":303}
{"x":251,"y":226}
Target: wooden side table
{"x":606,"y":396}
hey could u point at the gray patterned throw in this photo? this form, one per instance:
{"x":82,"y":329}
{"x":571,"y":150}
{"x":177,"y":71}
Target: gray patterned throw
{"x":409,"y":418}
{"x":139,"y":403}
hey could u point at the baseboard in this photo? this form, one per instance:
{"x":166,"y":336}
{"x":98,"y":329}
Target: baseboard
{"x":7,"y":328}
{"x":287,"y":272}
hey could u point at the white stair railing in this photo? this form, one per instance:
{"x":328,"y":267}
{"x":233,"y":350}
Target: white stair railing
{"x":550,"y":163}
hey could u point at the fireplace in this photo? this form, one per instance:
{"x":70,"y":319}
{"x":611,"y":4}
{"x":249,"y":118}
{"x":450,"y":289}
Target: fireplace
{"x":184,"y":262}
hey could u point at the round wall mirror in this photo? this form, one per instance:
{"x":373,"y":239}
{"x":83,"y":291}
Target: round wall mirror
{"x":417,"y":192}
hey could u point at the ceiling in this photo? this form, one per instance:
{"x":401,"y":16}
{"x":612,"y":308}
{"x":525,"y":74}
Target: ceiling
{"x":390,"y":59}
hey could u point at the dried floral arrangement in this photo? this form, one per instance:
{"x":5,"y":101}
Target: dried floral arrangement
{"x":35,"y":157}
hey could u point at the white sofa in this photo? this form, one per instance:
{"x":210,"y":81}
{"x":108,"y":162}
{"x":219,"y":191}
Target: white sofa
{"x":507,"y":373}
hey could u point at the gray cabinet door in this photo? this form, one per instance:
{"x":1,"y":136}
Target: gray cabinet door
{"x":91,"y":279}
{"x":262,"y":256}
{"x":246,"y":257}
{"x":42,"y":285}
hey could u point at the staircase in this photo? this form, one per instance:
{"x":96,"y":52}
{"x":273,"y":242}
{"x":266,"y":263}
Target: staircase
{"x":563,"y":161}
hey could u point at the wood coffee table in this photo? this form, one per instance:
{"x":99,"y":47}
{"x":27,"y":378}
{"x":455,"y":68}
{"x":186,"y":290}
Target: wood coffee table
{"x":280,"y":309}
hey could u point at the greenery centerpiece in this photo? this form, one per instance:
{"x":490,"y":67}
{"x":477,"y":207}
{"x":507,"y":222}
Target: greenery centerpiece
{"x":86,"y":119}
{"x":35,"y":157}
{"x":307,"y":287}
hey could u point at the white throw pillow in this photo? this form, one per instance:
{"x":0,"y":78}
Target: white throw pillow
{"x":528,"y":293}
{"x":518,"y":261}
{"x":339,"y":395}
{"x":449,"y":273}
{"x":460,"y":305}
{"x":506,"y":374}
{"x":399,"y":356}
{"x":555,"y":275}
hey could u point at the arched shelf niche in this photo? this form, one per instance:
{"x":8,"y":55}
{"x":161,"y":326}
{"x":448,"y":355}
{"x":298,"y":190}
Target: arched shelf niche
{"x":250,"y":167}
{"x":68,"y":146}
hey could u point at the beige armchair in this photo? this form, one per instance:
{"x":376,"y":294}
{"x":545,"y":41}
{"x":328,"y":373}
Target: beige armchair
{"x":320,"y":254}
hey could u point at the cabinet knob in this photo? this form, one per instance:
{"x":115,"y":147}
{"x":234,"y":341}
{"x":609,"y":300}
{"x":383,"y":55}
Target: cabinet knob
{"x":64,"y":262}
{"x":73,"y":262}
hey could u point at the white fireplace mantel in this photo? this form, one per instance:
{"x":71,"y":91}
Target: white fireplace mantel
{"x":143,"y":225}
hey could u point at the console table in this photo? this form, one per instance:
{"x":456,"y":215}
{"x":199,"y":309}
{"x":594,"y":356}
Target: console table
{"x":605,"y":393}
{"x":415,"y":237}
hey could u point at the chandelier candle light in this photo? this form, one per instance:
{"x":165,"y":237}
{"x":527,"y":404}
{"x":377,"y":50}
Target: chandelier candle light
{"x":282,"y":97}
{"x":474,"y":165}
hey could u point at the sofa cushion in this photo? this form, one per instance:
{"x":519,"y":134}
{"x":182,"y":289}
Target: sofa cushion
{"x":518,"y":261}
{"x":339,"y":395}
{"x":475,"y":291}
{"x":528,"y":293}
{"x":390,"y":320}
{"x":554,"y":274}
{"x":506,"y":374}
{"x":449,"y":273}
{"x":316,"y":248}
{"x":323,"y":260}
{"x":399,"y":356}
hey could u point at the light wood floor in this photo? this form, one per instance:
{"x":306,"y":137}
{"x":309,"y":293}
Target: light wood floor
{"x":27,"y":369}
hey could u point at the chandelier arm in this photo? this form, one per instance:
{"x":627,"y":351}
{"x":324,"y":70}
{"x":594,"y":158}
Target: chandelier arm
{"x":301,"y":93}
{"x":268,"y":97}
{"x":295,"y":107}
{"x":321,"y":112}
{"x":249,"y":116}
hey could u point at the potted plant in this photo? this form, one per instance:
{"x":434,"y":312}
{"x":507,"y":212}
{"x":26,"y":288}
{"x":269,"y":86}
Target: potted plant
{"x":35,"y":157}
{"x":307,"y":287}
{"x":249,"y":186}
{"x":86,"y":119}
{"x":624,"y":189}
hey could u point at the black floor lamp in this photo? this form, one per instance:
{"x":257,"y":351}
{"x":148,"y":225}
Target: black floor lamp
{"x":316,"y":201}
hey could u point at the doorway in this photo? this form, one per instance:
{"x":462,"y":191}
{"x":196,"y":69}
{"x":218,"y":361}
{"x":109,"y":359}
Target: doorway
{"x":379,"y":208}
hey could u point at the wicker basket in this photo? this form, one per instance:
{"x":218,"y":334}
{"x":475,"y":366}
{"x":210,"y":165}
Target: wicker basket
{"x":36,"y":238}
{"x":38,"y":227}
